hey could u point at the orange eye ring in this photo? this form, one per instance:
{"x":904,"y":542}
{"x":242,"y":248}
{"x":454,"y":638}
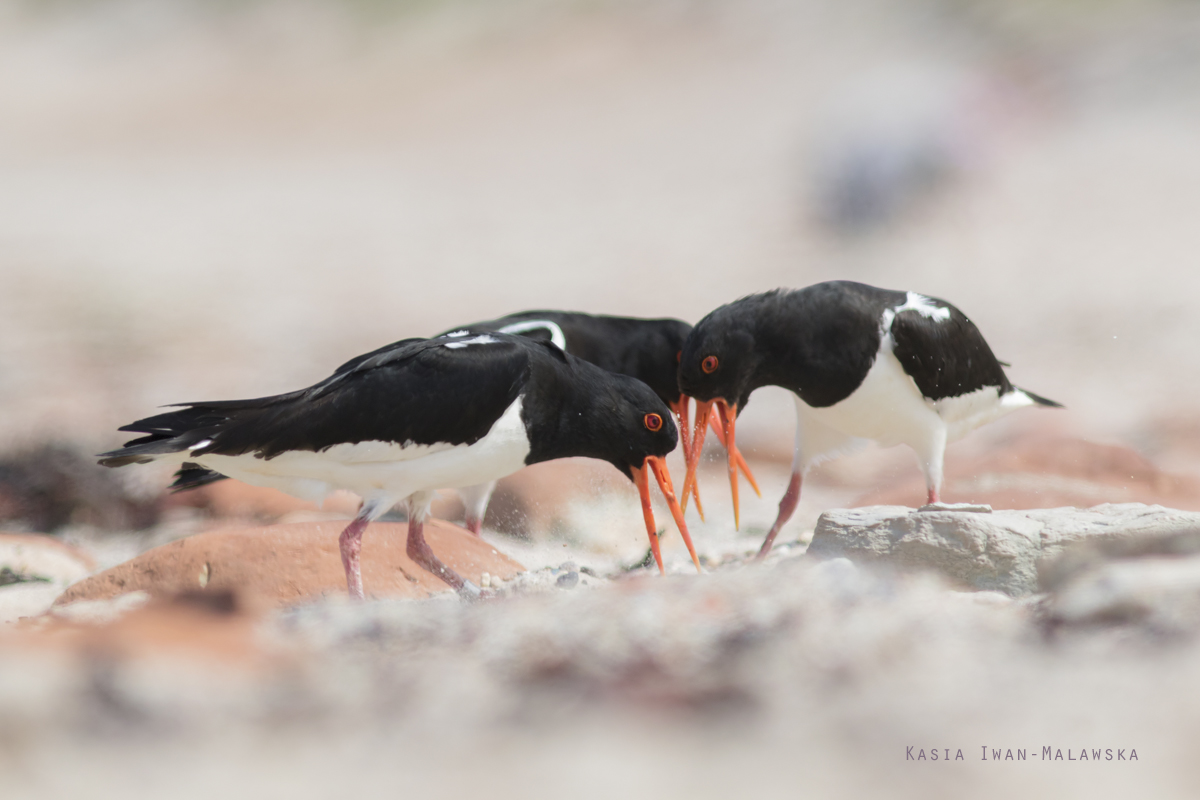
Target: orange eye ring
{"x":653,"y":422}
{"x":709,"y":365}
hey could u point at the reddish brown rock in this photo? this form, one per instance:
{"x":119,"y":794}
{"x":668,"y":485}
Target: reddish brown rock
{"x":531,"y":503}
{"x":181,"y":629}
{"x":291,"y":563}
{"x":209,"y":628}
{"x":1050,"y":472}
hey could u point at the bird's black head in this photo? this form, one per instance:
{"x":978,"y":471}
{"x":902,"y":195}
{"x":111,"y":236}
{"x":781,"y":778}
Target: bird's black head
{"x":655,"y":356}
{"x":575,"y":408}
{"x":578,"y":409}
{"x":718,"y":359}
{"x":720,"y":366}
{"x":632,"y":423}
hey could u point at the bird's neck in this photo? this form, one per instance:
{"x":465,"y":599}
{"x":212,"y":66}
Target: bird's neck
{"x":563,"y":418}
{"x":820,"y":360}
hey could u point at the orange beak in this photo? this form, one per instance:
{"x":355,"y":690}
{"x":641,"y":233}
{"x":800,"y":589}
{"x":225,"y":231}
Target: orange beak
{"x":703,"y":409}
{"x":718,"y":429}
{"x":680,"y":407}
{"x":642,"y":480}
{"x":727,"y":416}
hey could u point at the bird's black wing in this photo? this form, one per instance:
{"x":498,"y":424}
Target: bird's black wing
{"x":423,"y":391}
{"x":646,"y":349}
{"x":946,"y":357}
{"x":396,"y":348}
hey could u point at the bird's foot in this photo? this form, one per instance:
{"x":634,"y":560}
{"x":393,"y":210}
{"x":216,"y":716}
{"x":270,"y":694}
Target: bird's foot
{"x":419,"y":551}
{"x":471,"y":593}
{"x":976,"y":508}
{"x":787,"y":506}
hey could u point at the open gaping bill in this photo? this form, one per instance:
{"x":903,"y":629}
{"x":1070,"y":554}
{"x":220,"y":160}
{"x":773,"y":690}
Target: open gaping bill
{"x":863,"y":364}
{"x":646,"y":349}
{"x":415,"y":416}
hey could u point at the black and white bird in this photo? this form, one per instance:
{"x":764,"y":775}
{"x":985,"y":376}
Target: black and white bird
{"x":646,"y":349}
{"x":403,"y":421}
{"x":864,"y":364}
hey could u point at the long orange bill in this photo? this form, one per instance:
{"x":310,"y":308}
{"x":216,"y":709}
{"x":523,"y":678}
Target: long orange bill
{"x":728,"y":418}
{"x":718,"y":429}
{"x":703,"y":409}
{"x":659,"y":467}
{"x":745,"y":468}
{"x":680,"y":407}
{"x":641,"y":479}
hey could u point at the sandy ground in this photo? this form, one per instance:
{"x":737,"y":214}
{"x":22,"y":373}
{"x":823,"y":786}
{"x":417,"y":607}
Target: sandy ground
{"x":778,"y":679}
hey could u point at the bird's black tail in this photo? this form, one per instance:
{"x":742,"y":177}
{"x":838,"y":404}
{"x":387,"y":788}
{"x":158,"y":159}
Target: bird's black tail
{"x":1042,"y":401}
{"x":173,"y":432}
{"x":193,"y":476}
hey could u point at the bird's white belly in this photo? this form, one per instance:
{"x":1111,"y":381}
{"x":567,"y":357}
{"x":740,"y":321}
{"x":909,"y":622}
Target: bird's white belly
{"x":887,"y":407}
{"x":384,"y":470}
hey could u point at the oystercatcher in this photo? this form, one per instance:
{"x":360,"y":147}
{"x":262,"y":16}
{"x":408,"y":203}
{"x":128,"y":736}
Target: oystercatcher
{"x":863,"y":363}
{"x":646,"y":349}
{"x":407,"y":419}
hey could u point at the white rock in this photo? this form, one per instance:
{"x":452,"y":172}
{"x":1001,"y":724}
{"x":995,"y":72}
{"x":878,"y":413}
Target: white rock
{"x":52,"y":566}
{"x":996,"y":551}
{"x":43,"y":557}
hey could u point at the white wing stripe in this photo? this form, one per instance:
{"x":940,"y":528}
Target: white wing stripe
{"x":556,"y":335}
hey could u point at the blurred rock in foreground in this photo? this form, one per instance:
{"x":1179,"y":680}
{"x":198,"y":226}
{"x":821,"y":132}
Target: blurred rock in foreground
{"x":792,"y":677}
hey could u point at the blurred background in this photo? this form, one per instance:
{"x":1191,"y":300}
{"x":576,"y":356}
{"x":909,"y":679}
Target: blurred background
{"x":222,"y":199}
{"x":204,"y":200}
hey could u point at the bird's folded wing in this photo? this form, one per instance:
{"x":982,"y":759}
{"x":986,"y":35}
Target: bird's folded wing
{"x":945,"y":357}
{"x":417,"y":391}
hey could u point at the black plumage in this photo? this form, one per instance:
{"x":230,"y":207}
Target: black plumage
{"x":646,"y":349}
{"x":416,"y":390}
{"x":863,"y":363}
{"x":445,"y":394}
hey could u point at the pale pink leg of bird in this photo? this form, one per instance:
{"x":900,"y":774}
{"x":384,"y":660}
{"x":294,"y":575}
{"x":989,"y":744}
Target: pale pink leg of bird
{"x":787,"y":506}
{"x":420,"y":552}
{"x":350,"y":544}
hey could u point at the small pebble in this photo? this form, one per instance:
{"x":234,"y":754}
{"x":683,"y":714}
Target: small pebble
{"x":568,"y":580}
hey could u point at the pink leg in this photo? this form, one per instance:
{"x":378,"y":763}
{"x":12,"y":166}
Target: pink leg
{"x":350,"y":543}
{"x":786,"y":507}
{"x":475,"y":502}
{"x":419,"y":551}
{"x":933,"y":495}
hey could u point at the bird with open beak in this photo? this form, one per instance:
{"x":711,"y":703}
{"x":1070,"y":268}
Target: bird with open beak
{"x":403,"y":421}
{"x":863,"y":364}
{"x":646,"y":349}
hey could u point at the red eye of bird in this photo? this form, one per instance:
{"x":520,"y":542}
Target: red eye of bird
{"x":653,"y":422}
{"x":709,"y":365}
